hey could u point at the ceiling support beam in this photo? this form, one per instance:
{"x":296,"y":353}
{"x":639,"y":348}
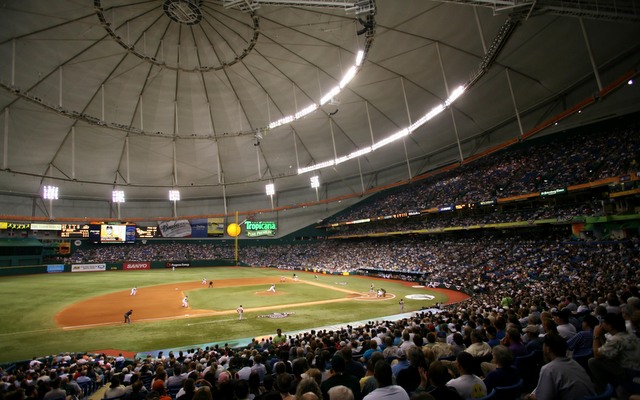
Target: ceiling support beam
{"x":73,"y":152}
{"x":590,"y":52}
{"x":60,"y":87}
{"x":404,"y":142}
{"x":360,"y":173}
{"x":13,"y":62}
{"x":611,"y":10}
{"x":5,"y":153}
{"x":513,"y":100}
{"x":480,"y":33}
{"x":295,"y":148}
{"x":446,"y":88}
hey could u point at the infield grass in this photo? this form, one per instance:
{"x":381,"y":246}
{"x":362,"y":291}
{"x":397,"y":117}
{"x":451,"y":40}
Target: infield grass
{"x":30,"y":303}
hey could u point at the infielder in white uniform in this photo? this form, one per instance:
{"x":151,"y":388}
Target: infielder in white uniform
{"x":204,"y":281}
{"x":185,"y":301}
{"x":272,"y":288}
{"x":240,"y":310}
{"x":134,"y":290}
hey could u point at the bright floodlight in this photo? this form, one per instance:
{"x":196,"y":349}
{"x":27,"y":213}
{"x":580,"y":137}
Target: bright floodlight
{"x":118,"y":196}
{"x":315,"y":182}
{"x":174,"y":195}
{"x":50,"y":192}
{"x":271,"y":189}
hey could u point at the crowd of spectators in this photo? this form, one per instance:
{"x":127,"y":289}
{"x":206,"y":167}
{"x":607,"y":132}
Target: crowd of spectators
{"x":549,"y":163}
{"x":461,"y":350}
{"x":439,"y":221}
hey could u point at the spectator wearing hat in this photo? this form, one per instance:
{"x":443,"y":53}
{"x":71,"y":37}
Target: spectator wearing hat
{"x":409,"y":378}
{"x":451,"y":329}
{"x":561,"y":377}
{"x":402,"y":362}
{"x":613,"y":356}
{"x":339,"y":378}
{"x":468,"y":385}
{"x":533,"y":340}
{"x":565,"y":329}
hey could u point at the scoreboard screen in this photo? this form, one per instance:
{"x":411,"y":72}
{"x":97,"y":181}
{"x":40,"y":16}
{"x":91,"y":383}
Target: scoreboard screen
{"x":74,"y":231}
{"x":147,"y":232}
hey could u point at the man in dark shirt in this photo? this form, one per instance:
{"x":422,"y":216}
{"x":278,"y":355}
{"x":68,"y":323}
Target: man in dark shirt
{"x":338,"y":377}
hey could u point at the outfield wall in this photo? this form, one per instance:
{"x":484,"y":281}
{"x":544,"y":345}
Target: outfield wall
{"x":112,"y":266}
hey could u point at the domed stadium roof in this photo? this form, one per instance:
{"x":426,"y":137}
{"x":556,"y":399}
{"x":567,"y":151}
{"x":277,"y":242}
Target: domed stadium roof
{"x":216,"y":99}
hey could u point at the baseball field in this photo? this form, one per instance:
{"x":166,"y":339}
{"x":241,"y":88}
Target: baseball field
{"x":83,"y":312}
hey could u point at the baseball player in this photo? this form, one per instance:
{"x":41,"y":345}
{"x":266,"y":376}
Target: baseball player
{"x":185,"y":302}
{"x":272,"y":288}
{"x":210,"y":284}
{"x":134,"y":290}
{"x":204,"y":281}
{"x":127,"y":317}
{"x":240,"y":310}
{"x":401,"y":302}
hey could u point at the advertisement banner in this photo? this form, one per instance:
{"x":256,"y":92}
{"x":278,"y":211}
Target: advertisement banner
{"x":88,"y":267}
{"x":175,"y":229}
{"x":177,"y":264}
{"x":134,"y":266}
{"x":215,"y":227}
{"x":199,"y":228}
{"x":260,"y":228}
{"x":55,"y":268}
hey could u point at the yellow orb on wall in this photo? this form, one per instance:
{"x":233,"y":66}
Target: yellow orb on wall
{"x":233,"y":230}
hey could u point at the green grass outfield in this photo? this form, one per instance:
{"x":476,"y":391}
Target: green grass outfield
{"x":28,"y":305}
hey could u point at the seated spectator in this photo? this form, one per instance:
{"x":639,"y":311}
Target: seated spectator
{"x":533,"y":340}
{"x":468,"y":385}
{"x":115,"y":389}
{"x":386,"y":389}
{"x":159,"y":389}
{"x":55,"y":392}
{"x":582,"y":343}
{"x":369,"y":383}
{"x":565,"y":329}
{"x":439,"y":376}
{"x":611,"y":357}
{"x":409,"y":378}
{"x":561,"y":378}
{"x":478,"y":348}
{"x":504,"y":374}
{"x":513,"y":341}
{"x":339,"y":392}
{"x":338,"y":378}
{"x":308,"y":385}
{"x":458,"y":345}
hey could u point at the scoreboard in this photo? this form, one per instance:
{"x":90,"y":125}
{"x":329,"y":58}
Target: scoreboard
{"x":75,"y":231}
{"x":147,"y":232}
